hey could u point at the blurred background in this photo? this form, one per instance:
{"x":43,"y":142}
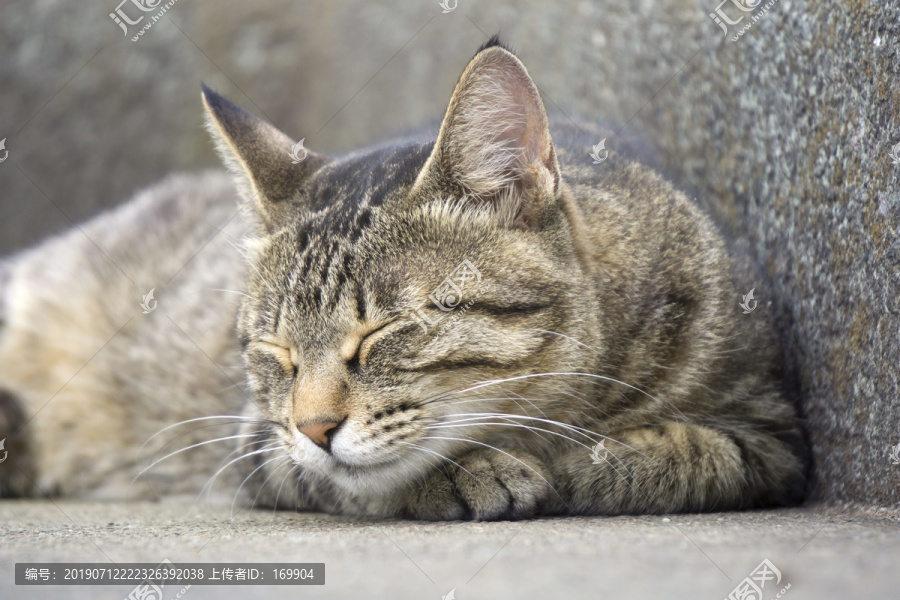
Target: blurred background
{"x":784,"y":134}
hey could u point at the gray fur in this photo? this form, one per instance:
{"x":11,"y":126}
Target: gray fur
{"x":607,"y":310}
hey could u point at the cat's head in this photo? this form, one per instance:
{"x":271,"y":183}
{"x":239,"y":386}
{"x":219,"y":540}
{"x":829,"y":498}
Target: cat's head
{"x":398,"y":297}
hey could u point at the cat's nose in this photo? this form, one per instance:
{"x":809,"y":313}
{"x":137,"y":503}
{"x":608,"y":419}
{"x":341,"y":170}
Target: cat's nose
{"x":320,"y":432}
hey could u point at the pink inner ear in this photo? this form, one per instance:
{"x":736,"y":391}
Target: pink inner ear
{"x":497,"y":135}
{"x":533,"y":136}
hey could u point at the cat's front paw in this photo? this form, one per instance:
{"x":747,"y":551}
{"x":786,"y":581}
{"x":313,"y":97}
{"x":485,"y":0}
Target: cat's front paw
{"x":485,"y":485}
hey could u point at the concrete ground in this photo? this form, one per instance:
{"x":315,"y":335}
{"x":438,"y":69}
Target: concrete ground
{"x":821,"y":552}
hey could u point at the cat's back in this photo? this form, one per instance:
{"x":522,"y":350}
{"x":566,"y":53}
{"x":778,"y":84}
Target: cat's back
{"x":635,"y":219}
{"x":665,"y":278}
{"x":119,"y":317}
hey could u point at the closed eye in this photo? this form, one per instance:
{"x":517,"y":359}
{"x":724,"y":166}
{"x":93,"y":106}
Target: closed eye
{"x":519,"y":308}
{"x":499,"y":340}
{"x":501,"y":310}
{"x":288,"y":356}
{"x":460,"y":362}
{"x":365,"y":346}
{"x":477,"y":340}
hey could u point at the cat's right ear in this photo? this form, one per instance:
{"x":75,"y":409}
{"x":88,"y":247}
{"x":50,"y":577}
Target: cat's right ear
{"x":268,"y":166}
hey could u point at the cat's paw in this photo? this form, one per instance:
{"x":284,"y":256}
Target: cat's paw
{"x":484,"y":485}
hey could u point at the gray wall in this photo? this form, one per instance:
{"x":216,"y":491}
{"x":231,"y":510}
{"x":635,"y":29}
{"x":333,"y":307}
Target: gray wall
{"x":784,"y":135}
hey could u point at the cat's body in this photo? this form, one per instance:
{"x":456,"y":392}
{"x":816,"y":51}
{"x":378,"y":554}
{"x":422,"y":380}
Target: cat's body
{"x":100,"y":377}
{"x":587,"y":303}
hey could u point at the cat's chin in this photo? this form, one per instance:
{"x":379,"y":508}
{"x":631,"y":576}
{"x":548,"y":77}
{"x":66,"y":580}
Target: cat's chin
{"x":377,"y":478}
{"x":368,"y":466}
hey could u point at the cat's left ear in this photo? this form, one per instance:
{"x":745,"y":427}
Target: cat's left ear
{"x":268,"y":166}
{"x":494,"y":144}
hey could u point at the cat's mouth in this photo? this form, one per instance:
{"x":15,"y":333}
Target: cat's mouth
{"x":378,"y":480}
{"x":359,"y":469}
{"x":344,"y":462}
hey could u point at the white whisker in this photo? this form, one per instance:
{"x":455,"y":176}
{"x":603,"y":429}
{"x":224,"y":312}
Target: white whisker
{"x":231,"y":437}
{"x":212,"y":480}
{"x":528,"y":427}
{"x":562,"y":335}
{"x":275,"y":504}
{"x":566,"y":374}
{"x":241,"y":418}
{"x":235,"y":292}
{"x":238,"y":491}
{"x":286,"y":460}
{"x":438,"y":454}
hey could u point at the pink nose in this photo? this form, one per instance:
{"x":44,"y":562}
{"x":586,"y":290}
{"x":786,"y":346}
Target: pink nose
{"x":318,"y":432}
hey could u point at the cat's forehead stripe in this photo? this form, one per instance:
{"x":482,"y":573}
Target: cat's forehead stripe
{"x":347,"y":196}
{"x":329,"y":243}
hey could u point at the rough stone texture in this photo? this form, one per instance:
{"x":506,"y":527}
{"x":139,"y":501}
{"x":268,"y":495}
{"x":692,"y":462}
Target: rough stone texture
{"x":822,"y":554}
{"x":784,"y":135}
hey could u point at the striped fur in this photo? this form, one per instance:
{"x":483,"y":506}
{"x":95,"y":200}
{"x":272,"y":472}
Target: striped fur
{"x":599,"y":365}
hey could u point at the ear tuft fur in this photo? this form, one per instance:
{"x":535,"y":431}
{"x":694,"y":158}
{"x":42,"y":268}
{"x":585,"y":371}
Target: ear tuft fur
{"x":494,"y":42}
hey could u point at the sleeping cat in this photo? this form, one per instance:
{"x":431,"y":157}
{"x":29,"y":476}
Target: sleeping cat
{"x":485,"y":326}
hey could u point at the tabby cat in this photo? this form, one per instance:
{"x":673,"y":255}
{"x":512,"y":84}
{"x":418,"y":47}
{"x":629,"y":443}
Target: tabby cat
{"x":491,"y":325}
